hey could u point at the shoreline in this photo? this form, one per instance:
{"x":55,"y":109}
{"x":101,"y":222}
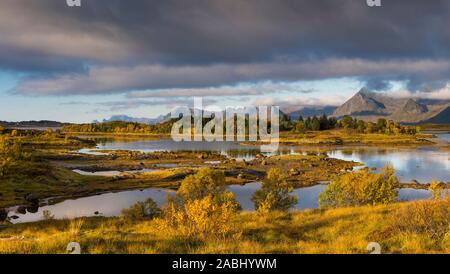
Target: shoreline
{"x":309,"y":169}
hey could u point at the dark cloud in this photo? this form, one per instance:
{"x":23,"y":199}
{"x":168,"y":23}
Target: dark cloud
{"x":105,"y":80}
{"x":420,"y":85}
{"x":133,"y":104}
{"x":172,"y":43}
{"x":378,"y":84}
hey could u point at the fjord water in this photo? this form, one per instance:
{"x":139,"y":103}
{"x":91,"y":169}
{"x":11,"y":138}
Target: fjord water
{"x":111,"y":204}
{"x":422,"y":164}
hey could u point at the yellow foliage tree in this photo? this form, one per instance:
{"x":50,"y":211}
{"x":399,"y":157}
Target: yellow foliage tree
{"x":275,"y":193}
{"x":436,"y":190}
{"x":361,"y":188}
{"x":202,"y":207}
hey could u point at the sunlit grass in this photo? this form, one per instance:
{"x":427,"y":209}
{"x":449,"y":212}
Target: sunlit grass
{"x":342,"y":230}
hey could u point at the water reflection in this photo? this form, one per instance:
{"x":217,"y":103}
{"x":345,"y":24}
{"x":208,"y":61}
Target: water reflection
{"x":444,"y":137}
{"x":410,"y":194}
{"x":111,"y":204}
{"x":108,"y":204}
{"x":111,"y":173}
{"x":308,"y":196}
{"x":422,"y":164}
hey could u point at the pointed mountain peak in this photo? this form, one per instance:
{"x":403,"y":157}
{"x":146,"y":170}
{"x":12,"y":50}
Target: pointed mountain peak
{"x":363,"y":102}
{"x":364,"y":92}
{"x":410,"y":101}
{"x":412,"y":107}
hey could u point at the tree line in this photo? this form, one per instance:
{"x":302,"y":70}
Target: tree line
{"x":120,"y":127}
{"x":302,"y":125}
{"x":323,"y":122}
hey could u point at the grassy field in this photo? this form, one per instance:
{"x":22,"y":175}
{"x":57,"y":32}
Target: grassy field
{"x":414,"y":227}
{"x":326,"y":137}
{"x":350,"y":137}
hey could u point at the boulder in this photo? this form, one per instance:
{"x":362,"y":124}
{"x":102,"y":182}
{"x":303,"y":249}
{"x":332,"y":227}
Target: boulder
{"x":3,"y":215}
{"x":293,"y":172}
{"x":21,"y":210}
{"x":31,"y":198}
{"x":33,"y":209}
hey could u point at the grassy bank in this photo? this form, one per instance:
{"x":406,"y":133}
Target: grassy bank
{"x":42,"y":180}
{"x":343,"y":230}
{"x":325,"y":137}
{"x":350,"y":137}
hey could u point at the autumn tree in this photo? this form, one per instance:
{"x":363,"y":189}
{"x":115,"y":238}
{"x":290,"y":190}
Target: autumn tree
{"x":436,"y":189}
{"x":361,"y":188}
{"x":275,"y":193}
{"x":142,"y":210}
{"x":10,"y":152}
{"x":202,"y":207}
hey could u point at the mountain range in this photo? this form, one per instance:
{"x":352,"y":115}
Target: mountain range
{"x":364,"y":105}
{"x":367,"y":105}
{"x":43,"y":124}
{"x":126,"y":118}
{"x":312,"y":111}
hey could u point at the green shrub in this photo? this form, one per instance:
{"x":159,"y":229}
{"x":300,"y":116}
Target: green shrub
{"x":142,"y":210}
{"x":47,"y":215}
{"x":274,"y":193}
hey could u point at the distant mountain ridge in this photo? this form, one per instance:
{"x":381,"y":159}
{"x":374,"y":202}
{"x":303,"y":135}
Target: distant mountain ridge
{"x":312,"y":111}
{"x":369,"y":105}
{"x":126,"y":118}
{"x":33,"y":124}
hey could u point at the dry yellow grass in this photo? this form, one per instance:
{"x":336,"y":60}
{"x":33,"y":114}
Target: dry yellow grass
{"x":343,"y":230}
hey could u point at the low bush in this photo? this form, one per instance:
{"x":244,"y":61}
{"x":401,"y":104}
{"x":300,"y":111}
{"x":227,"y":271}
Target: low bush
{"x":275,"y":193}
{"x":142,"y":210}
{"x":361,"y":188}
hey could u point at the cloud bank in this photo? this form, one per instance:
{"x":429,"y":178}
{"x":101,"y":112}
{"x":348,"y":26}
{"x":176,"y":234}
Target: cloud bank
{"x":194,"y":47}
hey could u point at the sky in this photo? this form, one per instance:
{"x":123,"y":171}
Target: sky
{"x":142,"y":58}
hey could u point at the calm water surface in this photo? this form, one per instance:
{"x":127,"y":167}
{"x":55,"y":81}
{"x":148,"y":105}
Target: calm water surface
{"x":423,"y":164}
{"x":111,"y":204}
